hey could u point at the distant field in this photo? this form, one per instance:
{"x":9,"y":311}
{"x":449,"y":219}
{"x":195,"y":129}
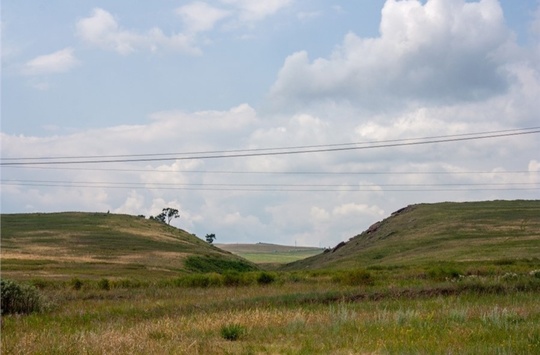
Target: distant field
{"x":263,"y":253}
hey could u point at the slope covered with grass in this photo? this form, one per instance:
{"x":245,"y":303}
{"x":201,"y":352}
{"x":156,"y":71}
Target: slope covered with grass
{"x":453,"y":232}
{"x":65,"y":245}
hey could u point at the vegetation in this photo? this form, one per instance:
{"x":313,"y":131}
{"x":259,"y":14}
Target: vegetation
{"x":491,"y":230}
{"x":19,"y":299}
{"x":400,"y":311}
{"x":167,"y":215}
{"x":210,"y":238}
{"x":232,"y":331}
{"x":219,"y":265}
{"x":270,"y":255}
{"x":63,"y":246}
{"x":398,"y":293}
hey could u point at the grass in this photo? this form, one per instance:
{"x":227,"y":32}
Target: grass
{"x":444,"y":278}
{"x":265,"y":253}
{"x":490,"y":230}
{"x":88,"y":245}
{"x":308,"y":313}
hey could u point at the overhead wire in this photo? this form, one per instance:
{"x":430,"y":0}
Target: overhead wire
{"x":243,"y":153}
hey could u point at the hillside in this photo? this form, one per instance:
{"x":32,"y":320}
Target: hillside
{"x":469,"y":231}
{"x":66,"y":245}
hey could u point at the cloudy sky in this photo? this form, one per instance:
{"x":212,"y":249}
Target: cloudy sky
{"x":282,"y":121}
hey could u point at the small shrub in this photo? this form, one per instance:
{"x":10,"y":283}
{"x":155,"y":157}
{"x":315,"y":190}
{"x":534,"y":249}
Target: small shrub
{"x":104,"y":284}
{"x":76,"y":283}
{"x":232,"y":332}
{"x":21,"y":299}
{"x":265,"y":278}
{"x":127,"y":283}
{"x":232,"y":278}
{"x":201,"y":280}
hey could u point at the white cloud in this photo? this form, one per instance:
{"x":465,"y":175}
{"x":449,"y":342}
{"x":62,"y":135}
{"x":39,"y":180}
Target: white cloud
{"x":199,"y":16}
{"x":252,"y":11}
{"x":442,"y":51}
{"x":443,"y":67}
{"x":58,"y":62}
{"x":102,"y":30}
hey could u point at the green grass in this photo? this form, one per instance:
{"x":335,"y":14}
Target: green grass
{"x":469,"y":231}
{"x":442,"y":278}
{"x":94,"y":245}
{"x":265,"y":253}
{"x":401,"y":311}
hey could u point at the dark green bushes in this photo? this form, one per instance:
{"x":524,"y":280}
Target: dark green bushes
{"x":20,"y":299}
{"x":212,"y":264}
{"x":232,"y":332}
{"x":266,"y":278}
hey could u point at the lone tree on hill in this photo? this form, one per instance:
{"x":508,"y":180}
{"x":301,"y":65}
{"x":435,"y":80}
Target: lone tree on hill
{"x":167,"y":215}
{"x":210,"y":238}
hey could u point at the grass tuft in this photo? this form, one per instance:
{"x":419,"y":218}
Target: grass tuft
{"x":233,"y":331}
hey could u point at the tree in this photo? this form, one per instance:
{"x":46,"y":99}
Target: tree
{"x":167,"y":215}
{"x":210,"y":238}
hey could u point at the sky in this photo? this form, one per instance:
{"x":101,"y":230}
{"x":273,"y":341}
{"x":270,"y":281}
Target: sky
{"x":279,"y":121}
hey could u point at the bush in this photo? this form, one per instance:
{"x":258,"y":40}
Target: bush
{"x":201,"y":280}
{"x":219,"y":265}
{"x":232,"y":332}
{"x":265,"y":278}
{"x":21,"y":299}
{"x":104,"y":284}
{"x":76,"y":283}
{"x":232,"y":278}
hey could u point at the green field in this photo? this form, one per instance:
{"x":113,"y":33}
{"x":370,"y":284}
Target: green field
{"x":432,"y":279}
{"x":265,"y":253}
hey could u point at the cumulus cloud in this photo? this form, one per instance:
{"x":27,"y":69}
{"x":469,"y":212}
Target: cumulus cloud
{"x":447,"y":65}
{"x":58,"y":62}
{"x":441,"y":51}
{"x":199,"y":16}
{"x":102,"y":30}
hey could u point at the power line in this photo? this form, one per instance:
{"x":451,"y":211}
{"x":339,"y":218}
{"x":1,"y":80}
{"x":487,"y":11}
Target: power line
{"x":267,"y":151}
{"x":278,"y":187}
{"x":245,"y":172}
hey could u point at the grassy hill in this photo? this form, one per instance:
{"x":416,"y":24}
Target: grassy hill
{"x":267,"y":253}
{"x":454,"y":232}
{"x":90,"y":245}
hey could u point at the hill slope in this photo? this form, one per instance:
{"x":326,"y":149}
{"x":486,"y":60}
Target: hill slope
{"x":65,"y":245}
{"x":469,"y":231}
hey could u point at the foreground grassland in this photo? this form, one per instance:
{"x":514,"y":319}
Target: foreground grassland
{"x":460,"y":278}
{"x":481,"y":308}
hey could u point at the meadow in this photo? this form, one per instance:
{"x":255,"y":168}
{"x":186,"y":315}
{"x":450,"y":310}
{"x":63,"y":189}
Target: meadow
{"x":430,"y":279}
{"x":470,"y":308}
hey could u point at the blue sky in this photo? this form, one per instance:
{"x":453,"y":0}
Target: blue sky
{"x":94,"y":78}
